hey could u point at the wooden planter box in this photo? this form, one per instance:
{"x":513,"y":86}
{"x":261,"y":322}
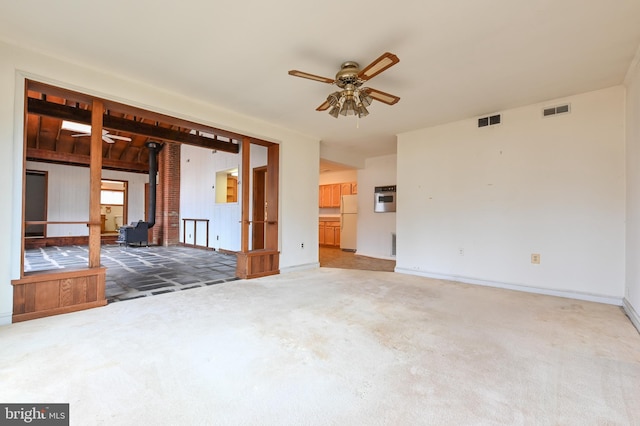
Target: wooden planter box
{"x":43,"y":294}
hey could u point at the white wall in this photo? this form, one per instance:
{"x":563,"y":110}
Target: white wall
{"x":298,"y":165}
{"x":198,"y":195}
{"x":375,"y":229}
{"x":340,"y":155}
{"x":632,"y":295}
{"x":198,"y":168}
{"x":299,"y":221}
{"x":68,"y":196}
{"x":553,"y":186}
{"x":341,"y":176}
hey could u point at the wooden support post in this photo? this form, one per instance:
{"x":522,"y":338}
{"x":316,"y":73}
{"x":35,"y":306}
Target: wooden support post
{"x":273,"y":172}
{"x":246,"y":189}
{"x":95,"y":183}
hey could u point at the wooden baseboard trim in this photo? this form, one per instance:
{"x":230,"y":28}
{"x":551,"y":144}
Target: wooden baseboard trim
{"x":57,"y":311}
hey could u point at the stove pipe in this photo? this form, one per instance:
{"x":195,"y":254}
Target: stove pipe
{"x":154,"y":148}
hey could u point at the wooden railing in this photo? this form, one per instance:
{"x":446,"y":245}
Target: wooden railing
{"x":195,"y":232}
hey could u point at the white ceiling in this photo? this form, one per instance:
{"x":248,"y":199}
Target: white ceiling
{"x":458,"y":59}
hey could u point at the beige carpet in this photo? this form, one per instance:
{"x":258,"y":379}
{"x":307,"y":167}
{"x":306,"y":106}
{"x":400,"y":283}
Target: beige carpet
{"x":331,"y":347}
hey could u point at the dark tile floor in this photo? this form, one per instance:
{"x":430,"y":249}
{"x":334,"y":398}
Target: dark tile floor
{"x":134,"y":272}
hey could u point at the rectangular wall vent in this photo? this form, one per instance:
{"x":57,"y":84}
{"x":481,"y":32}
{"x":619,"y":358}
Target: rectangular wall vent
{"x":393,"y":244}
{"x":489,"y":120}
{"x":560,"y":109}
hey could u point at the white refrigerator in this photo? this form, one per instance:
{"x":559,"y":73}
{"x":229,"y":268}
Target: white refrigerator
{"x":348,"y":222}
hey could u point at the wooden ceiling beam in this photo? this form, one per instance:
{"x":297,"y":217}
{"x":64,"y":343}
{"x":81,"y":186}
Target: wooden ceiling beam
{"x":83,"y":160}
{"x":64,"y":112}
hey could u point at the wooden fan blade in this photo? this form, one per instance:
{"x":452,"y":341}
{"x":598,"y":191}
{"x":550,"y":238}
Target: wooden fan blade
{"x":323,"y":107}
{"x":104,"y":132}
{"x":122,"y":138}
{"x":384,"y":62}
{"x":382,"y":96}
{"x":297,"y":73}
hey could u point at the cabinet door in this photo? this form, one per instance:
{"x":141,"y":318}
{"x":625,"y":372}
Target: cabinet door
{"x":326,"y":196}
{"x":337,"y":236}
{"x":321,"y":233}
{"x":329,"y":235}
{"x":354,"y":187}
{"x":345,"y":189}
{"x":335,"y":195}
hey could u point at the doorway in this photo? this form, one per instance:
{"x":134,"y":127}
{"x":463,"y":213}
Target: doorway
{"x":113,"y":206}
{"x":35,"y":204}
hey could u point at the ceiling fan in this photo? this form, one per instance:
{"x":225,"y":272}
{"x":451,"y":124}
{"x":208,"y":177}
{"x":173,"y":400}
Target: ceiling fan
{"x":353,"y":99}
{"x":106,"y":136}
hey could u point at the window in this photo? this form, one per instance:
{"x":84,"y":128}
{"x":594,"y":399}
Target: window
{"x":227,"y":186}
{"x":113,"y":205}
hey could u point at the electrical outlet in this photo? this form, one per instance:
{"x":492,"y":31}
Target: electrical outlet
{"x":535,"y":258}
{"x":301,"y":245}
{"x":461,"y":251}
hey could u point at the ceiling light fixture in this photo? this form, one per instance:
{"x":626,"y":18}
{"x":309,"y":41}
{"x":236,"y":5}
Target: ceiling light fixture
{"x":352,"y":99}
{"x":75,"y":127}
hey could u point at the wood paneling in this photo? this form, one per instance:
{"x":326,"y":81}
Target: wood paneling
{"x":258,"y":263}
{"x":30,"y":243}
{"x":44,"y":294}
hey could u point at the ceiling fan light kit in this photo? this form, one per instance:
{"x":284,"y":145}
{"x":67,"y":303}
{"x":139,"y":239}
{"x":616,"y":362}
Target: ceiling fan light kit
{"x":354,"y":99}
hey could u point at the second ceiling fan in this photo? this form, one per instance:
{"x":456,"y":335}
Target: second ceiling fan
{"x":353,"y":99}
{"x":106,"y":136}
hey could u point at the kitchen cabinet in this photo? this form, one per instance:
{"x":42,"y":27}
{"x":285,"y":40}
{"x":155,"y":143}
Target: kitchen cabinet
{"x":325,"y":195}
{"x":329,"y":233}
{"x":330,"y":195}
{"x":335,"y":195}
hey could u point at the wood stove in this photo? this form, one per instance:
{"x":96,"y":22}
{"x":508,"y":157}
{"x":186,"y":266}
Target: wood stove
{"x":138,"y":232}
{"x":134,"y":233}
